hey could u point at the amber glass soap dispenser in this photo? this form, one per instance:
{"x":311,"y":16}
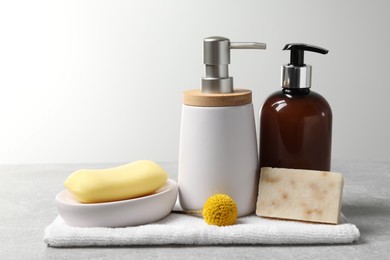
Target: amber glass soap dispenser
{"x":296,"y":123}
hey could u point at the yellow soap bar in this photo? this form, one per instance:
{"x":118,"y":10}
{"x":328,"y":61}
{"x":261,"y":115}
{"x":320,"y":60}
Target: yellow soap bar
{"x":127,"y":181}
{"x":306,"y":195}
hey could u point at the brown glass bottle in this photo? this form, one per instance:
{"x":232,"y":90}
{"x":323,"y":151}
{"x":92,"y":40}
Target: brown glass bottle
{"x":296,"y":130}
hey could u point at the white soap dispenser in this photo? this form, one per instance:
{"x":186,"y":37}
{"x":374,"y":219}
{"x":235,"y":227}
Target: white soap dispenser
{"x":218,"y":147}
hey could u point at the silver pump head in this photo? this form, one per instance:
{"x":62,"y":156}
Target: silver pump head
{"x":216,"y":57}
{"x":297,"y":74}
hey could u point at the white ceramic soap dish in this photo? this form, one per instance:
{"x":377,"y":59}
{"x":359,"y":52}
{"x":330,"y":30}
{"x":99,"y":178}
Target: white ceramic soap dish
{"x":132,"y":212}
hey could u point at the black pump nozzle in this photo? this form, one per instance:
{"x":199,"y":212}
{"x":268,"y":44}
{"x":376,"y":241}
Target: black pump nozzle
{"x":297,"y":52}
{"x":297,"y":74}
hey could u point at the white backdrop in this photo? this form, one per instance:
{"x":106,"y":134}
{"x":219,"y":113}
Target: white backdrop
{"x":101,"y":81}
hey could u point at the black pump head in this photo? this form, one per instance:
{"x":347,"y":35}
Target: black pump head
{"x":297,"y":52}
{"x":297,"y":74}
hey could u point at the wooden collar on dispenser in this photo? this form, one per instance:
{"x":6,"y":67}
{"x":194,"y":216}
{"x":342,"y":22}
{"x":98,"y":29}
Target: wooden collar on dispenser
{"x":197,"y":98}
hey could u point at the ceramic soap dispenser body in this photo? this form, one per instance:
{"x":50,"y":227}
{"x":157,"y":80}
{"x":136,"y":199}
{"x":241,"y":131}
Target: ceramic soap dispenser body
{"x":296,"y":122}
{"x":218,"y":149}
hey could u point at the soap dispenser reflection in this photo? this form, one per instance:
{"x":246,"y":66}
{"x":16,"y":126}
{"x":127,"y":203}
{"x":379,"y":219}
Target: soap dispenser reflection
{"x":296,"y":122}
{"x":218,"y":147}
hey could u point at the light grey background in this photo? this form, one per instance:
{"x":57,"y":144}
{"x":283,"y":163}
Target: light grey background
{"x":101,"y":81}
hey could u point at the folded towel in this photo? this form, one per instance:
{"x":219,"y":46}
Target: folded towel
{"x":182,"y":229}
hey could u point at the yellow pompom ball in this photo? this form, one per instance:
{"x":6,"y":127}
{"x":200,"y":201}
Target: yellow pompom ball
{"x":220,"y":210}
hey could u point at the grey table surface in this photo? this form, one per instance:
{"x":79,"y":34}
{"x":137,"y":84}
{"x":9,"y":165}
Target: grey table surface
{"x":27,"y":206}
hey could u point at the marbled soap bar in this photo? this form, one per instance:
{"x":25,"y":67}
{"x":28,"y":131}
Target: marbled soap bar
{"x":306,"y":195}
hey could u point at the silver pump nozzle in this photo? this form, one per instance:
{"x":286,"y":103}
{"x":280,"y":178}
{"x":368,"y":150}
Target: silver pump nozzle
{"x":216,"y":57}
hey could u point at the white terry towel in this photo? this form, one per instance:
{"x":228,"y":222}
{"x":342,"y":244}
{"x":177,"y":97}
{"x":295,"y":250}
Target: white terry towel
{"x":184,"y":229}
